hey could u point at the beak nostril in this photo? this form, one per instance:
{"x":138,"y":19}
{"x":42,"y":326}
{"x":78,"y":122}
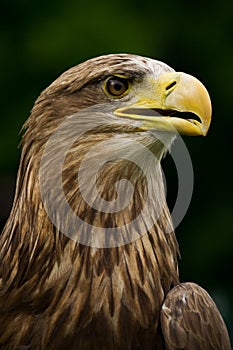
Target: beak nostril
{"x":171,"y":85}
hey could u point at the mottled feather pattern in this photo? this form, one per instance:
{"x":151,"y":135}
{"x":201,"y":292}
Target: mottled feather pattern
{"x":183,"y":324}
{"x":114,"y":277}
{"x":57,"y":294}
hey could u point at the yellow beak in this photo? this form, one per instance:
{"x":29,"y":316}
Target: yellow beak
{"x":177,"y":102}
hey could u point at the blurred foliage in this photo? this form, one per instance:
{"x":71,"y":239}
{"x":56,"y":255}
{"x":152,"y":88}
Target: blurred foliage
{"x":39,"y":40}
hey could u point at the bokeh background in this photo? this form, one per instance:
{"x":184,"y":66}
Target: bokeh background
{"x":41,"y":39}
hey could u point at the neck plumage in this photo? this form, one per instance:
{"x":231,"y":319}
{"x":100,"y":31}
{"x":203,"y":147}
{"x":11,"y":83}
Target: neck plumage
{"x":141,"y":264}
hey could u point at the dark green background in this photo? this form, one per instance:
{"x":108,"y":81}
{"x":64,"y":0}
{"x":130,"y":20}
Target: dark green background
{"x":41,"y":39}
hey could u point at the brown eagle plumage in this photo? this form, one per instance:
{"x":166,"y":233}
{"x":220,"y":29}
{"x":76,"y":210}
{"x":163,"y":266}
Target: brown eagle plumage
{"x":65,"y":285}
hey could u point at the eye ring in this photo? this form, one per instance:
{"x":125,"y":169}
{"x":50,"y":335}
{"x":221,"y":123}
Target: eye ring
{"x":116,"y":86}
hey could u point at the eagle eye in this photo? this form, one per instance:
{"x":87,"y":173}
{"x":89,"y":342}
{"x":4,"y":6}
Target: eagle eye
{"x":117,"y":86}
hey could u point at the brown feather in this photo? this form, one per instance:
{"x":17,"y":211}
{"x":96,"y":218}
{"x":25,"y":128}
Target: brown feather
{"x":56,"y":293}
{"x":191,"y":320}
